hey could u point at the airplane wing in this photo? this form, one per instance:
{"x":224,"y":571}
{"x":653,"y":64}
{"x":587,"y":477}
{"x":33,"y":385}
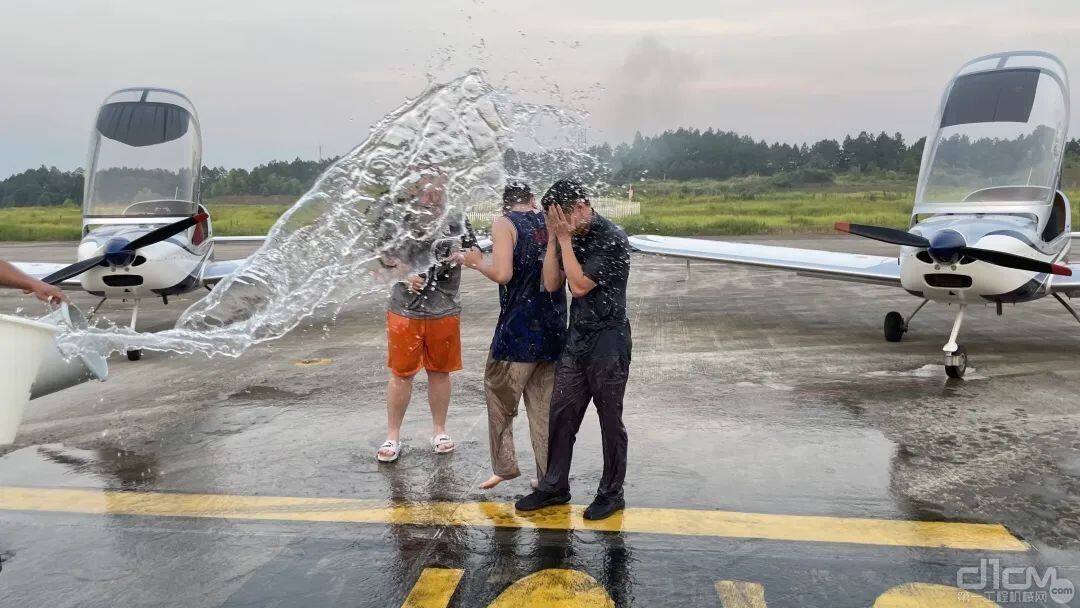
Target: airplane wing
{"x":812,"y":262}
{"x":1069,"y":286}
{"x":40,"y":270}
{"x":239,"y":239}
{"x":215,"y":271}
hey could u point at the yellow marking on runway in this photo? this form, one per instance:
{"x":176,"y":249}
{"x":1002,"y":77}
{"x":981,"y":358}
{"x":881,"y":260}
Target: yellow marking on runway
{"x":679,"y":522}
{"x":926,"y":595}
{"x":307,"y":362}
{"x":740,"y":594}
{"x":434,"y":588}
{"x":555,"y":588}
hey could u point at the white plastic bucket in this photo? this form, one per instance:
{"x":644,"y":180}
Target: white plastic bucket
{"x":55,"y":372}
{"x":23,"y":344}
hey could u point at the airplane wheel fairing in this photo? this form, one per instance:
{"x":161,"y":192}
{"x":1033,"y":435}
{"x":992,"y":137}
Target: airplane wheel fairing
{"x":894,"y":326}
{"x":134,"y":355}
{"x":959,"y":356}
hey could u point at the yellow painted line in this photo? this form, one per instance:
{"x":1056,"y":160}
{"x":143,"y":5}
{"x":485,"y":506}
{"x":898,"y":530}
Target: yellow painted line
{"x":741,"y":594}
{"x":555,"y":588}
{"x":927,"y":595}
{"x":679,"y":522}
{"x":434,"y":588}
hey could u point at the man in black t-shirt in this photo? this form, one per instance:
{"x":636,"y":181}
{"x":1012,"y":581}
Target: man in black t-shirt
{"x":592,"y":255}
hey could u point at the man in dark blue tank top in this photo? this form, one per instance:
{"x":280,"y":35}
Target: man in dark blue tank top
{"x":528,"y":337}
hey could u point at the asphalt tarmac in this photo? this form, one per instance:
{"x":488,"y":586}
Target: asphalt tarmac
{"x":782,"y":453}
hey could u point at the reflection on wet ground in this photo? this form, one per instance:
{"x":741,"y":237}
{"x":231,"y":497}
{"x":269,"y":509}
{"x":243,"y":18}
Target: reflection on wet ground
{"x":55,"y":465}
{"x":751,"y":392}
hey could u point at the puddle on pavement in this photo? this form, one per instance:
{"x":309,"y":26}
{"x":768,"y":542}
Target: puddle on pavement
{"x":262,"y":392}
{"x":57,"y":465}
{"x":929,"y":370}
{"x":765,"y":446}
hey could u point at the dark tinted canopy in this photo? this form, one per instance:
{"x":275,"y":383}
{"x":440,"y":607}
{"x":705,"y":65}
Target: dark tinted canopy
{"x":998,"y":96}
{"x":142,"y":123}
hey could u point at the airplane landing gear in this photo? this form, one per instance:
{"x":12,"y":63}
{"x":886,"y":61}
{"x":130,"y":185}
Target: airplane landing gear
{"x":955,"y":355}
{"x":956,"y":362}
{"x":896,"y":325}
{"x":134,"y":354}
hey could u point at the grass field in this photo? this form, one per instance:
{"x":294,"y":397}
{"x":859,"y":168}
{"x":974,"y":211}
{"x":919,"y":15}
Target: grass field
{"x":696,"y":208}
{"x":63,"y":223}
{"x":719,"y":213}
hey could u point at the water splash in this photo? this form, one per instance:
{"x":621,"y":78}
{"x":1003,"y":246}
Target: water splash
{"x":382,"y":204}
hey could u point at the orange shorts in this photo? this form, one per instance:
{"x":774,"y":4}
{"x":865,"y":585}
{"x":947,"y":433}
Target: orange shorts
{"x":431,"y":344}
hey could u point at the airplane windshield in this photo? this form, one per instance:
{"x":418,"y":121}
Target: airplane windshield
{"x":145,"y":155}
{"x":999,"y":138}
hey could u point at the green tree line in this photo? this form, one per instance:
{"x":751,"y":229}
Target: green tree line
{"x":51,"y":186}
{"x":680,"y":154}
{"x":685,"y":154}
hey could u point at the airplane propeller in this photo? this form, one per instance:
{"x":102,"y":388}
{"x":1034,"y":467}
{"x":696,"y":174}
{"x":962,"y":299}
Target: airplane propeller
{"x":948,"y":247}
{"x":119,"y":252}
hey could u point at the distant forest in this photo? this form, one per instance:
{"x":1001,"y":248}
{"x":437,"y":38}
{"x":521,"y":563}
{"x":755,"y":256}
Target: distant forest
{"x":682,"y":154}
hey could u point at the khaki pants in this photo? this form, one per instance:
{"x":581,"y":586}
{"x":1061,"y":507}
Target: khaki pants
{"x":504,"y":384}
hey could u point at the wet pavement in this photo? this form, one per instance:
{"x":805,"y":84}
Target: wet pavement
{"x":757,"y":399}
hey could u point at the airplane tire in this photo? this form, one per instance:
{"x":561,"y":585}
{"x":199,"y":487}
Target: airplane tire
{"x":134,"y":355}
{"x":957,"y":371}
{"x":894,"y":326}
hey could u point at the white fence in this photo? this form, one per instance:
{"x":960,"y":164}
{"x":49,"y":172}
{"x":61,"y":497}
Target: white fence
{"x":485,"y":213}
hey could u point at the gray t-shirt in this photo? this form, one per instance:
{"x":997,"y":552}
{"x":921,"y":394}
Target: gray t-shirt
{"x":440,"y":296}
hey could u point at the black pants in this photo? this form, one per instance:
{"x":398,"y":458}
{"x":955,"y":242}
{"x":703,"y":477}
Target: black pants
{"x":577,"y":380}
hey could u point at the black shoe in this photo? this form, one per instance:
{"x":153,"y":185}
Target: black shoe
{"x":603,"y":508}
{"x":540,"y":499}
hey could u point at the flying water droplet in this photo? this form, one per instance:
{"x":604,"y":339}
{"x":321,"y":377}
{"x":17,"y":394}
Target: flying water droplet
{"x":371,"y":218}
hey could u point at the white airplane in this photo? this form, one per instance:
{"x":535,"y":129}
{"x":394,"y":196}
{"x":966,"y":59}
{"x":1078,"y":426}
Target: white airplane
{"x":145,"y":232}
{"x":989,"y":223}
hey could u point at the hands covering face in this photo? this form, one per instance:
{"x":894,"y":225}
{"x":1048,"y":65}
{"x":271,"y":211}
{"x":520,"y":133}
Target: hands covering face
{"x":558,"y":222}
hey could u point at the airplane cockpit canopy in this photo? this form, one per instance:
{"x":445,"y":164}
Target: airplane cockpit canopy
{"x":145,"y":156}
{"x":999,"y":135}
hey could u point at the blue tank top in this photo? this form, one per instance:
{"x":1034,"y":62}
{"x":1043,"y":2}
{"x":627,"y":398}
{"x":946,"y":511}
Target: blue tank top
{"x":532,"y":321}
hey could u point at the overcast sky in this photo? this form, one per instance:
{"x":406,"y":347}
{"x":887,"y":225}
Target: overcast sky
{"x":275,"y":80}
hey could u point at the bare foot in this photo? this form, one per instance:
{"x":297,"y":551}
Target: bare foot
{"x":492,"y":481}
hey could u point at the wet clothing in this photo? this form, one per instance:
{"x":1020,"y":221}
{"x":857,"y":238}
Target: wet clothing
{"x":528,"y":337}
{"x":431,"y":344}
{"x":532,"y":321}
{"x":440,"y":296}
{"x":595,"y":363}
{"x":505,"y":382}
{"x":598,"y":323}
{"x":603,"y":380}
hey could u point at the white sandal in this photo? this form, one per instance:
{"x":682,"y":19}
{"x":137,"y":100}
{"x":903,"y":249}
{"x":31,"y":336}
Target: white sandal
{"x":439,"y":444}
{"x":395,"y":450}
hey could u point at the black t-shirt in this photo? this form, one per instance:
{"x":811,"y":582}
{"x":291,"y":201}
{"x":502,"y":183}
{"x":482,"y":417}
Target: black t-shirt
{"x":598,"y":323}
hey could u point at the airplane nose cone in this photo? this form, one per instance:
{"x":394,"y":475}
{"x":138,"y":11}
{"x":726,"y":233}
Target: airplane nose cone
{"x":945,"y":247}
{"x":117,"y":253}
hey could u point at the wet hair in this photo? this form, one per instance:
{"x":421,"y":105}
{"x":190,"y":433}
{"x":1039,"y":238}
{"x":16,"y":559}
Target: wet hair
{"x":565,"y":193}
{"x":515,"y":193}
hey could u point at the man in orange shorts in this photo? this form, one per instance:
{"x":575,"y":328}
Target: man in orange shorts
{"x":422,"y":327}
